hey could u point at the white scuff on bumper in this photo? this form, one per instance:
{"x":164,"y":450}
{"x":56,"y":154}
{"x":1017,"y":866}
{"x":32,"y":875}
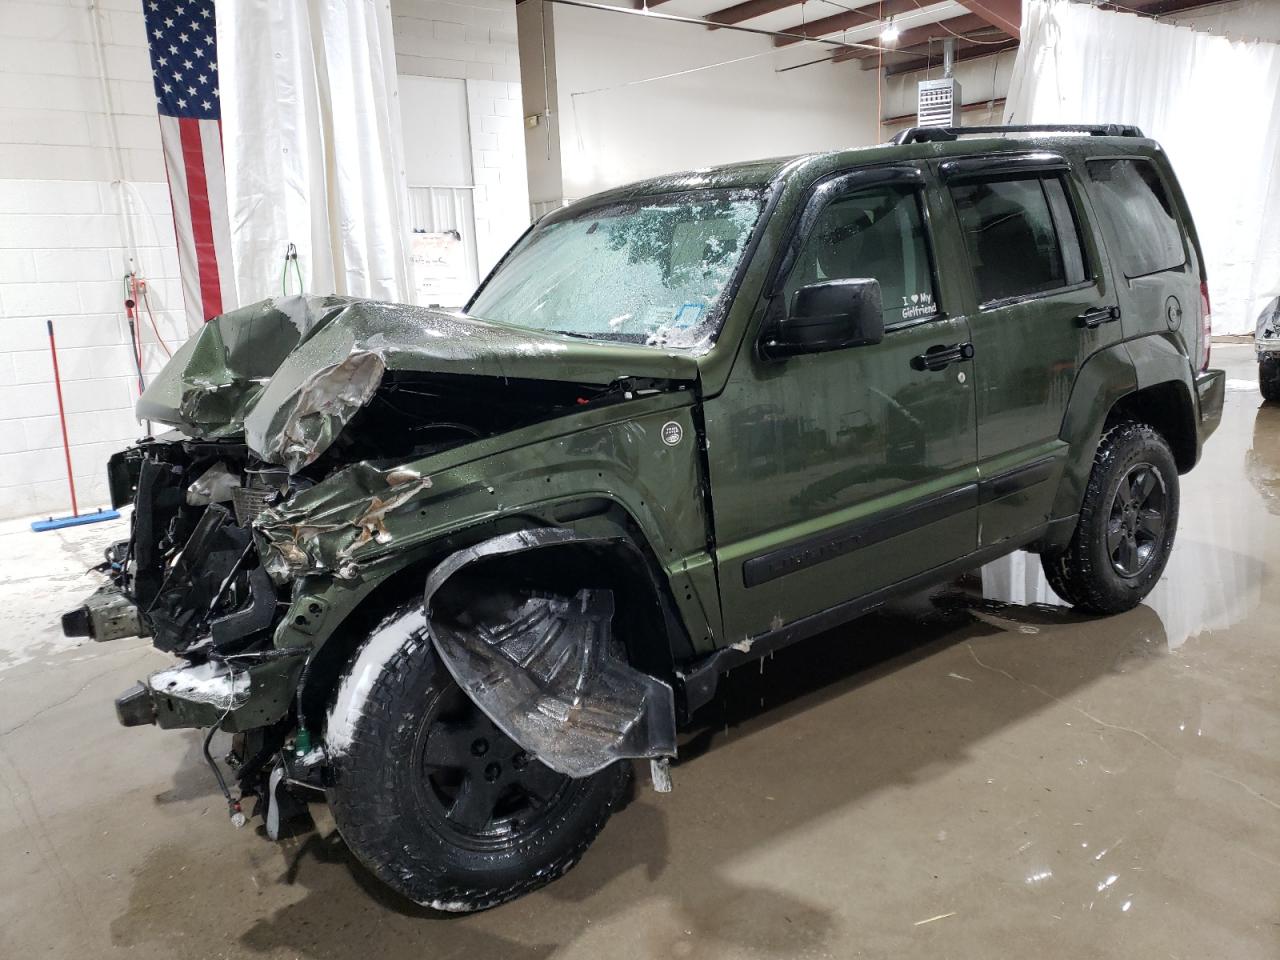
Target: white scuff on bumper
{"x":209,"y":683}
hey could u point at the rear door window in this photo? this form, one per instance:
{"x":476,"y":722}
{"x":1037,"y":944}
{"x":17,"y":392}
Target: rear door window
{"x":1142,"y":220}
{"x":1021,"y":236}
{"x":877,"y":233}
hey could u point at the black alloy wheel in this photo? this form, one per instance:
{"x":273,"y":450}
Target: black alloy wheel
{"x":1136,"y":528}
{"x":435,"y":800}
{"x":476,"y":781}
{"x":1126,"y":525}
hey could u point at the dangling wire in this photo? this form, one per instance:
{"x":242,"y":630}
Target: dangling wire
{"x":291,"y":257}
{"x":146,"y":302}
{"x":233,"y":803}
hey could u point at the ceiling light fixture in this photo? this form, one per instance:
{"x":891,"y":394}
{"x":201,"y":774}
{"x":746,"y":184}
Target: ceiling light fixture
{"x":890,"y":32}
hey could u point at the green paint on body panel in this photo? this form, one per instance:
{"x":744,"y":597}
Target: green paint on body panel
{"x":611,"y":378}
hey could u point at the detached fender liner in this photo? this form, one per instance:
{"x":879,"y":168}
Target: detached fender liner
{"x":544,"y":664}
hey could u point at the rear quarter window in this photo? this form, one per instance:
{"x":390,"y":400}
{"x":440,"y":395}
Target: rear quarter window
{"x":1132,"y":200}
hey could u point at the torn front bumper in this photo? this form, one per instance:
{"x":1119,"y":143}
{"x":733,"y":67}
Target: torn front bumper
{"x":237,"y":698}
{"x":106,"y":614}
{"x":546,"y":667}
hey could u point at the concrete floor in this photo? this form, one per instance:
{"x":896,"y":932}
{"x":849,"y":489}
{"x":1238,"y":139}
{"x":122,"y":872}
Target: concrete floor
{"x":968,"y":778}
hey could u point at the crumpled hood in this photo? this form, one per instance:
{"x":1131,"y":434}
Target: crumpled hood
{"x":293,"y":370}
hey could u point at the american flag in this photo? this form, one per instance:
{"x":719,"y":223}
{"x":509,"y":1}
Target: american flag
{"x":184,"y":67}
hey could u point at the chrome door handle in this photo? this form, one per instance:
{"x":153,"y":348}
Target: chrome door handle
{"x":939,"y":358}
{"x":1098,"y":316}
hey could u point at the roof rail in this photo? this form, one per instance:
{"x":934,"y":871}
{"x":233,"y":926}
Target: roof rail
{"x":940,"y":134}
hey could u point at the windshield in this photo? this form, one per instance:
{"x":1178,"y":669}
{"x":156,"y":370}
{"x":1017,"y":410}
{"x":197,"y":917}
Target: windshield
{"x":651,"y":271}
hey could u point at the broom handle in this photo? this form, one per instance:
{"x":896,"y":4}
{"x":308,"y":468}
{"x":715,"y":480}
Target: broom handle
{"x":62,"y":417}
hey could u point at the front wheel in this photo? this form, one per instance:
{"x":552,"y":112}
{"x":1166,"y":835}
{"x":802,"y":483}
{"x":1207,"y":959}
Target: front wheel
{"x":1126,"y":527}
{"x":437,"y":801}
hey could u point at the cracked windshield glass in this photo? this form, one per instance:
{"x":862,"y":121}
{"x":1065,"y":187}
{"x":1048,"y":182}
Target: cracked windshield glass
{"x":651,"y":271}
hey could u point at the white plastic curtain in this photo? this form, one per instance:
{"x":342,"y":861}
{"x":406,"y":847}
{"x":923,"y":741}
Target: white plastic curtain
{"x":314,"y":154}
{"x":1213,"y":103}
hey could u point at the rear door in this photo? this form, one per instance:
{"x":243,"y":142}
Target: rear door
{"x":1040,"y":305}
{"x":837,"y":474}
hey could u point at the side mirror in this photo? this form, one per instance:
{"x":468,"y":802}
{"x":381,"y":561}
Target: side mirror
{"x":826,"y":316}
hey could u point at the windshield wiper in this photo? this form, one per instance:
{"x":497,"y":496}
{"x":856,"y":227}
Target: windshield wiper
{"x":575,"y":333}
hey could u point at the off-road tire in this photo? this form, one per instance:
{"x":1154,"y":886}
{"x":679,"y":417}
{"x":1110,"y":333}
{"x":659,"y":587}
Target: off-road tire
{"x":1083,"y":574}
{"x":381,"y":815}
{"x":1269,"y":380}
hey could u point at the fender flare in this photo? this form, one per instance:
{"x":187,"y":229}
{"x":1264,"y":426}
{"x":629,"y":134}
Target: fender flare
{"x":546,"y":667}
{"x":1104,"y":380}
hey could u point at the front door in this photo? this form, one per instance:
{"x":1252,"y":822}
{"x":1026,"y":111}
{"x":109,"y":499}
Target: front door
{"x":837,"y":474}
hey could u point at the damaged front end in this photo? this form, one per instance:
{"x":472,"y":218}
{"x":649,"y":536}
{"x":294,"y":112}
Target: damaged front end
{"x":545,"y":665}
{"x":189,"y":577}
{"x":300,"y":428}
{"x":1266,"y":337}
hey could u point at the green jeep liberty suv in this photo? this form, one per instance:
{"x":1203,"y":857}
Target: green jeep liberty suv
{"x":458,"y":571}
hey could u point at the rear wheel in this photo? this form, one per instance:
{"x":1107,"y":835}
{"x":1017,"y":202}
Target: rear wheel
{"x":1269,"y":379}
{"x":437,"y":801}
{"x":1126,"y":527}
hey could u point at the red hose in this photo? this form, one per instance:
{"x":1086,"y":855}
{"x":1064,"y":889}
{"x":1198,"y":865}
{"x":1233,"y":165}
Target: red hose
{"x":62,"y":417}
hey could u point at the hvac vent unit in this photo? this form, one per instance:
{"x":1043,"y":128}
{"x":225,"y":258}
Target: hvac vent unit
{"x":938,"y":103}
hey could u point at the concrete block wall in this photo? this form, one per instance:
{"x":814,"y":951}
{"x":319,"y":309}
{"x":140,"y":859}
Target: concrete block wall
{"x":475,"y":41}
{"x":501,"y":194}
{"x":63,"y":248}
{"x":459,"y":39}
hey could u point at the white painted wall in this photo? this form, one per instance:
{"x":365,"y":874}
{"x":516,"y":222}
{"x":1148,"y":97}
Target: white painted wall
{"x":475,"y":42}
{"x":463,"y":39}
{"x":63,"y":247}
{"x":437,"y":146}
{"x":613,"y":130}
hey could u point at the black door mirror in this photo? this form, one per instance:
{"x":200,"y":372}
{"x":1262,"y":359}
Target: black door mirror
{"x":825,"y":316}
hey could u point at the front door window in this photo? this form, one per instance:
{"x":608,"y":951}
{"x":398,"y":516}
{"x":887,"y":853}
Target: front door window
{"x":877,"y":233}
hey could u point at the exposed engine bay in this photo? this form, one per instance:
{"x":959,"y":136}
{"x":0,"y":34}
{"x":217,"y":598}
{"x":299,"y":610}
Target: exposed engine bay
{"x":191,"y":567}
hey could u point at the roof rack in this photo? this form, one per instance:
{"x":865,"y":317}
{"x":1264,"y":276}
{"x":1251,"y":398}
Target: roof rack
{"x":942,"y":134}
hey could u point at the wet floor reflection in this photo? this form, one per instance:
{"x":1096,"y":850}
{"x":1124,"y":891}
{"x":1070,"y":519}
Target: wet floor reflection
{"x":1205,"y":586}
{"x":1215,"y":573}
{"x":1262,"y":463}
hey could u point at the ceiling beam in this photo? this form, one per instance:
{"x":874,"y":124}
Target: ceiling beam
{"x":1158,"y":8}
{"x":969,"y":53}
{"x":966,"y":23}
{"x":1004,"y":15}
{"x":749,"y":10}
{"x":860,"y":17}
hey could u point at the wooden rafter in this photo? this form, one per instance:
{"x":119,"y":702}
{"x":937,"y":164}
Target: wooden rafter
{"x":923,"y":62}
{"x":859,"y":17}
{"x":1004,"y":15}
{"x":749,"y":10}
{"x":967,"y":23}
